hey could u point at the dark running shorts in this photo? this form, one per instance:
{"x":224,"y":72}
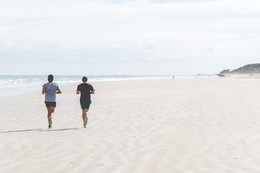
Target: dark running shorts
{"x":85,"y":106}
{"x":48,"y":104}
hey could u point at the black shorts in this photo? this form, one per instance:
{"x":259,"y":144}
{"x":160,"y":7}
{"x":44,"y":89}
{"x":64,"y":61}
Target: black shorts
{"x":85,"y":106}
{"x":48,"y":104}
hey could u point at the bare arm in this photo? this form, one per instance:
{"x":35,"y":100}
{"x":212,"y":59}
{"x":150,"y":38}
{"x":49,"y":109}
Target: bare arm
{"x":43,"y":90}
{"x":77,"y":92}
{"x":58,"y":92}
{"x":93,"y":92}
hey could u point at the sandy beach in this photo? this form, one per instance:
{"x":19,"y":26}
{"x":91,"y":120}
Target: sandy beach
{"x":139,"y":126}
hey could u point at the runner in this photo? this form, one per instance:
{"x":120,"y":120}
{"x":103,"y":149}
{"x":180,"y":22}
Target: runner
{"x":50,"y":90}
{"x":85,"y":90}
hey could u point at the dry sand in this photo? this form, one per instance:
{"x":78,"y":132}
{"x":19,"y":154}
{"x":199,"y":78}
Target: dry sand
{"x":159,"y":126}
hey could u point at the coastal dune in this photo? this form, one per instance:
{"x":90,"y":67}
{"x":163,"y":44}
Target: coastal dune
{"x":140,"y":126}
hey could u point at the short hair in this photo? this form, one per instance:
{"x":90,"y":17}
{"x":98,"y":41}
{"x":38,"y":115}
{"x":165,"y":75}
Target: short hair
{"x":84,"y":79}
{"x":50,"y":78}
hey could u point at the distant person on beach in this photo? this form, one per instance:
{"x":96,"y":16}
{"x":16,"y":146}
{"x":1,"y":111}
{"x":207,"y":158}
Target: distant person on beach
{"x":85,"y":89}
{"x":50,"y":90}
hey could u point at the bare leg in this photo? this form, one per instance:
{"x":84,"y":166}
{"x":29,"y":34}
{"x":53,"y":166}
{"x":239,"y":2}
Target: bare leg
{"x":50,"y":114}
{"x":85,"y":117}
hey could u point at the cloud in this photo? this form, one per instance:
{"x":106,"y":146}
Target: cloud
{"x":194,"y":32}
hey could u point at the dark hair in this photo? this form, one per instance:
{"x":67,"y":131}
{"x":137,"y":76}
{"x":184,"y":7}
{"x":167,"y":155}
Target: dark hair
{"x":84,"y":79}
{"x":50,"y":78}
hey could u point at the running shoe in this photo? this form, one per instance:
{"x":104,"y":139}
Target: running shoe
{"x":85,"y":122}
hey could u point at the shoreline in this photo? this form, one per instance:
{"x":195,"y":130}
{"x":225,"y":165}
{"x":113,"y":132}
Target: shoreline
{"x":20,"y":85}
{"x":27,"y":89}
{"x":32,"y":89}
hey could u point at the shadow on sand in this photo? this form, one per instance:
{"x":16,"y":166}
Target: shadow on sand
{"x":39,"y":130}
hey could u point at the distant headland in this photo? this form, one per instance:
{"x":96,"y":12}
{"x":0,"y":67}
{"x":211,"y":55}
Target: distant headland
{"x":247,"y":69}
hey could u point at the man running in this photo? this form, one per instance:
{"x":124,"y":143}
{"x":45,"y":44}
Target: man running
{"x":85,"y":90}
{"x":50,"y":90}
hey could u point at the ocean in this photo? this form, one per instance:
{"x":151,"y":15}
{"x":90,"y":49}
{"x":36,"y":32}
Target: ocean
{"x":19,"y":84}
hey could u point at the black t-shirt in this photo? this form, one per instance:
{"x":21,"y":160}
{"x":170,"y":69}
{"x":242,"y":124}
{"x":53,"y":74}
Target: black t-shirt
{"x":85,"y":90}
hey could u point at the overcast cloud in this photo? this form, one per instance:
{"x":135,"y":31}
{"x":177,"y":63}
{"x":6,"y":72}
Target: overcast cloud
{"x":127,"y":37}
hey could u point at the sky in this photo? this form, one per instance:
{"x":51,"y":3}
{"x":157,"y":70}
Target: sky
{"x":128,"y":37}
